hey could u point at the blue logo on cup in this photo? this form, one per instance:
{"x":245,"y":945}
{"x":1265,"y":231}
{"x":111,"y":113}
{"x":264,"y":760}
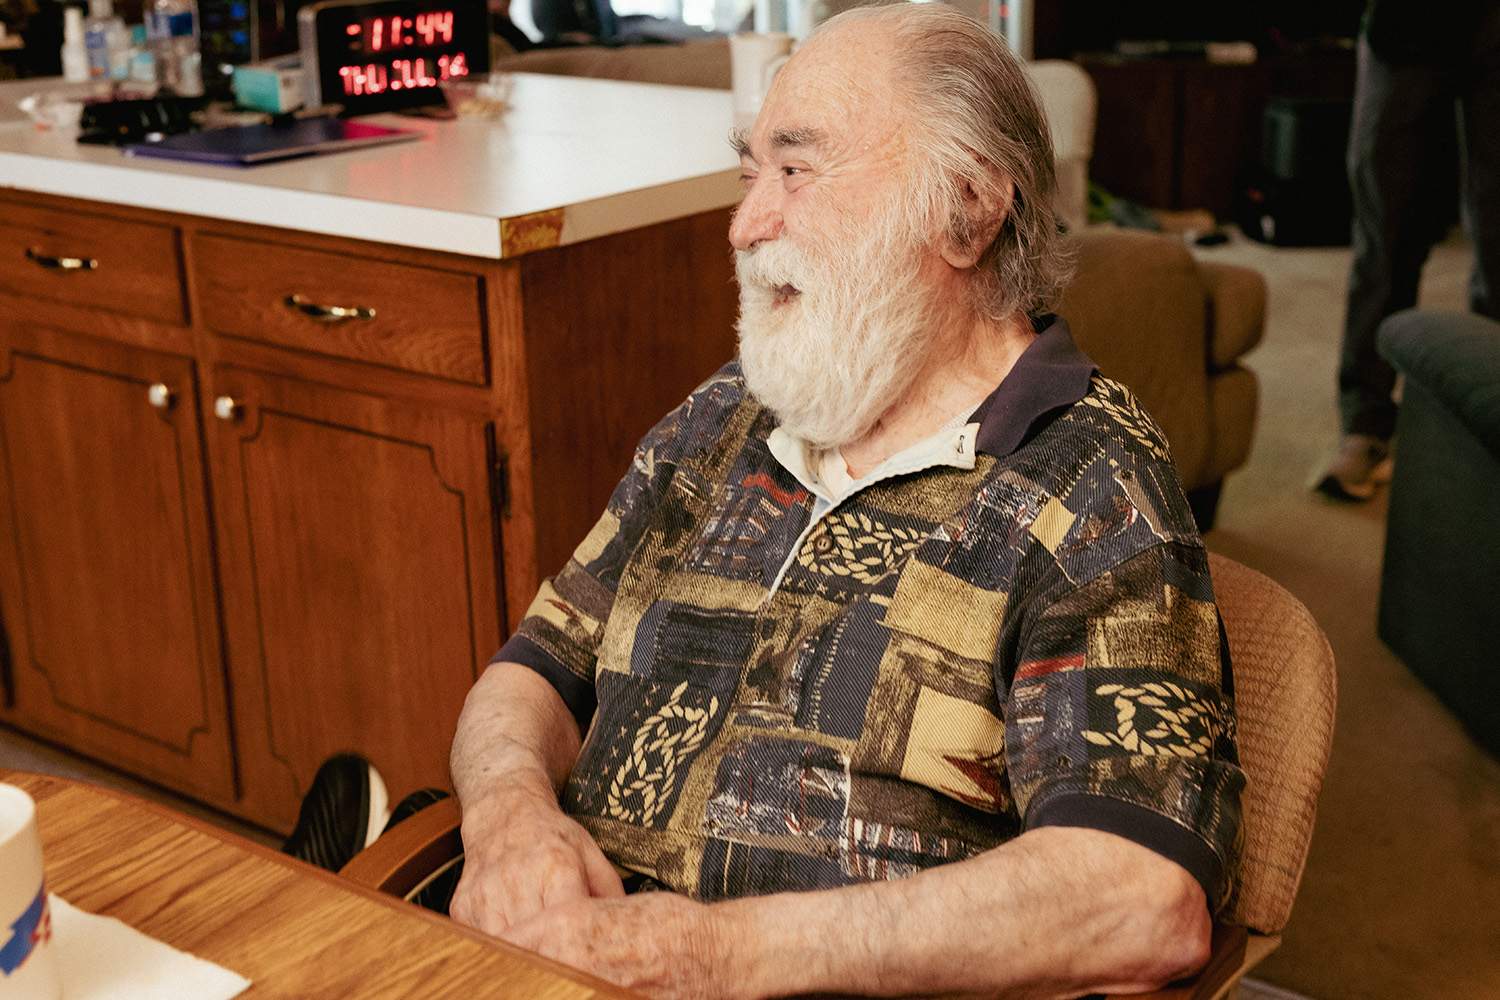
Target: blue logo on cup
{"x":30,"y":929}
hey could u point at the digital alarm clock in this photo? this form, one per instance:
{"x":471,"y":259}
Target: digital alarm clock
{"x":380,"y":55}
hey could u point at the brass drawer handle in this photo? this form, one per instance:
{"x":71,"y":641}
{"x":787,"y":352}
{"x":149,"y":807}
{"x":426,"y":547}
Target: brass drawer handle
{"x":328,"y":314}
{"x":61,"y":263}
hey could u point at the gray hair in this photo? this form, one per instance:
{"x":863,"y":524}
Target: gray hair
{"x":978,"y":123}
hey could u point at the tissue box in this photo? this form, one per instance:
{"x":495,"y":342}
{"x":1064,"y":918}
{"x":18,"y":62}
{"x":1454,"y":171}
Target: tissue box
{"x":273,"y":85}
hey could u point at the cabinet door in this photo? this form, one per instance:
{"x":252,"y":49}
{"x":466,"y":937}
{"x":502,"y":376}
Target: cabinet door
{"x":107,"y":588}
{"x":359,"y":577}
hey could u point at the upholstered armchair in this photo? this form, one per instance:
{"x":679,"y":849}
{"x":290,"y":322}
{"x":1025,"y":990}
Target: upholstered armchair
{"x":1174,"y":329}
{"x":1438,"y":593}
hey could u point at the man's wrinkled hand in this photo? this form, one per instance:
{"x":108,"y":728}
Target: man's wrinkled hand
{"x":523,"y":855}
{"x":659,"y":943}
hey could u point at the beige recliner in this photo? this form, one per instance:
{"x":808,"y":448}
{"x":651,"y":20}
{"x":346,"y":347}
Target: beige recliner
{"x":1173,"y":329}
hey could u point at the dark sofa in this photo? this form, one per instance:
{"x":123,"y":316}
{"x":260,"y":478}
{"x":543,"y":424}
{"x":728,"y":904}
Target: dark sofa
{"x":1440,"y":588}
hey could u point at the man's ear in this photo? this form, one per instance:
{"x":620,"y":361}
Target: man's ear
{"x":984,"y":212}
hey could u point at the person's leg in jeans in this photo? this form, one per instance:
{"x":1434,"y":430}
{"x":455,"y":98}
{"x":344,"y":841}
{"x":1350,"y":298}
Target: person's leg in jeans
{"x":1397,"y":143}
{"x":1479,"y":126}
{"x":1400,"y":113}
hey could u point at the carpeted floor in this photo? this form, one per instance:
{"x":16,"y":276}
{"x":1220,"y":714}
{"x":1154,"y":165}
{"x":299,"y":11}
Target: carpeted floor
{"x":1401,"y":898}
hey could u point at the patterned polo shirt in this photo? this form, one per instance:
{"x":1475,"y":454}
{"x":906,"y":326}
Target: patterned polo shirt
{"x":779,"y":692}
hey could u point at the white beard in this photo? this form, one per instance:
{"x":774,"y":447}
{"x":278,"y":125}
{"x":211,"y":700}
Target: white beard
{"x":833,"y":359}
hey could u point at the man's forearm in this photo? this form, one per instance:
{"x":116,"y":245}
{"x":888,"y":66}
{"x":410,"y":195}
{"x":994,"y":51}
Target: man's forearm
{"x":1055,"y":913}
{"x":515,"y":734}
{"x":515,"y":745}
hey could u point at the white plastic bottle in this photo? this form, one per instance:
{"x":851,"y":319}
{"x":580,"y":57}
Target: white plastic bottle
{"x":75,"y":56}
{"x":172,"y":33}
{"x":96,"y":37}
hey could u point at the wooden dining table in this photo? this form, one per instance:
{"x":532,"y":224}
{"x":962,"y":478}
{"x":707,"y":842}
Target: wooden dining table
{"x":293,"y":930}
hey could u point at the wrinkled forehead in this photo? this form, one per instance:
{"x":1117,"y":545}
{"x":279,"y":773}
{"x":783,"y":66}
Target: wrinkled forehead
{"x":839,"y":89}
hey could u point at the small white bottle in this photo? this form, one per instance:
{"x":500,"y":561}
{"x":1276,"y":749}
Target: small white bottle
{"x":96,"y":35}
{"x":75,"y":55}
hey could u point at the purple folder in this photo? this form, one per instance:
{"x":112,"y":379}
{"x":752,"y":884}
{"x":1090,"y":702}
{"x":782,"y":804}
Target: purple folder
{"x":250,"y":145}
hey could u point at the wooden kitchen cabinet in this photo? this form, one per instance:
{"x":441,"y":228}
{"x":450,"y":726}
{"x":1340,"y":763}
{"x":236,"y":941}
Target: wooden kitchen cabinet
{"x":364,"y":459}
{"x":358,"y":565}
{"x":106,"y":569}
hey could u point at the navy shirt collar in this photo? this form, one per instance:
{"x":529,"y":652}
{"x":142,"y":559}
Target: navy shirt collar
{"x":1051,"y":374}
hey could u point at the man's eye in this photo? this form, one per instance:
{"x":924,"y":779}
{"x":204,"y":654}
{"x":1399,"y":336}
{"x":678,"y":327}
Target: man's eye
{"x":792,"y":171}
{"x":747,"y":179}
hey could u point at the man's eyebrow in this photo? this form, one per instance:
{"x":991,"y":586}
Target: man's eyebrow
{"x":784,"y":137}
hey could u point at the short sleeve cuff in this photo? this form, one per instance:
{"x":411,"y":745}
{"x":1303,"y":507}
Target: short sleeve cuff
{"x":1146,"y":827}
{"x":576,"y":693}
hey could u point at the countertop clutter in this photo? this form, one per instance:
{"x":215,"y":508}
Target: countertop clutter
{"x":607,"y":156}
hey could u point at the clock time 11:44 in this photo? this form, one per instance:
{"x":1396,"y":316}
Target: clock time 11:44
{"x":382,"y":34}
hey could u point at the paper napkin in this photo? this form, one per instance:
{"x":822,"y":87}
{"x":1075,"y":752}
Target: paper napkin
{"x":104,"y":959}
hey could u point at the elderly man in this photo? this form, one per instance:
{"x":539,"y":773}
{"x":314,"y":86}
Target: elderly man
{"x":895,"y":650}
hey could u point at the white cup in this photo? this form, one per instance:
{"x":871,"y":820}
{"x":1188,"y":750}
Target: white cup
{"x":28,"y":960}
{"x":753,"y":61}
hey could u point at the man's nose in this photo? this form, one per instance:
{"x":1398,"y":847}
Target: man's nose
{"x":758,"y":218}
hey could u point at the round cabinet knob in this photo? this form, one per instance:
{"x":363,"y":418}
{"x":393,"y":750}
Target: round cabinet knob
{"x":161,"y":396}
{"x":227,"y":408}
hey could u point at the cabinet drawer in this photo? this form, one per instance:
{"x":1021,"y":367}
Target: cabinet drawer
{"x":418,"y":319}
{"x":133,"y":268}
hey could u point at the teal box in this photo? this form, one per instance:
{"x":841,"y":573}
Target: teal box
{"x":274,"y":85}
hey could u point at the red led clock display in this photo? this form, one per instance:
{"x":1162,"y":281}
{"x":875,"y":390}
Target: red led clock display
{"x":381,"y":37}
{"x":369,"y":56}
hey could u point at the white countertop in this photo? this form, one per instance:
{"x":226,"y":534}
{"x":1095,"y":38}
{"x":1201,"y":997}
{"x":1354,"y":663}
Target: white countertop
{"x":596,"y":156}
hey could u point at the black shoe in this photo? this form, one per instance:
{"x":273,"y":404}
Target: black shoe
{"x":343,"y":812}
{"x":436,"y":891}
{"x":415,"y":803}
